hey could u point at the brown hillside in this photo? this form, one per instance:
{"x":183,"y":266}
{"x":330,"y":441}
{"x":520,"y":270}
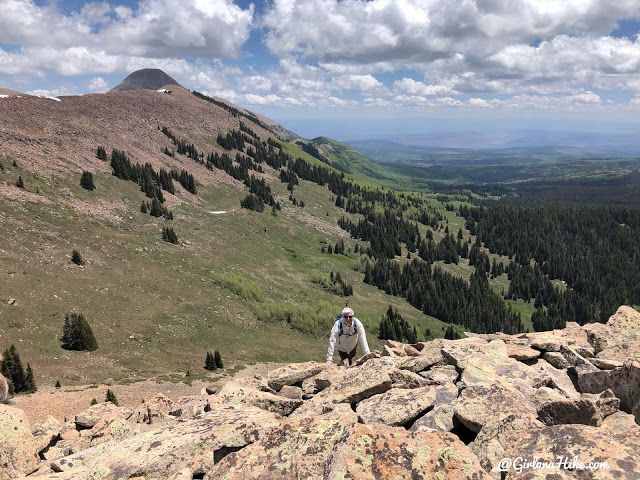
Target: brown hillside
{"x":51,"y":137}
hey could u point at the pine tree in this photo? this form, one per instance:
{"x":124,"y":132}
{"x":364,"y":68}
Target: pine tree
{"x":93,"y":402}
{"x":218,"y":360}
{"x":143,"y":207}
{"x":58,"y":385}
{"x":86,"y":181}
{"x":101,"y":154}
{"x":20,"y":182}
{"x":12,"y":369}
{"x":111,"y":397}
{"x":168,"y":235}
{"x":210,"y":363}
{"x":77,"y":258}
{"x":77,"y":334}
{"x":29,"y":381}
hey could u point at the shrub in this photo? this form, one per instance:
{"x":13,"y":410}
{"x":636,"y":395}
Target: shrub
{"x":101,"y":154}
{"x":77,"y":258}
{"x":77,"y":334}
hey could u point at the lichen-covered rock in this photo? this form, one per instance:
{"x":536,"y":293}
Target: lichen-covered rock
{"x":154,"y":410}
{"x":557,"y":360}
{"x":456,"y":353}
{"x":160,"y":453}
{"x":622,"y":427}
{"x":419,"y":363}
{"x":113,"y":427}
{"x":620,"y":338}
{"x":624,"y":382}
{"x":189,"y":407}
{"x":522,"y":352}
{"x":92,"y":415}
{"x":573,"y":335}
{"x":478,"y":404}
{"x":483,"y":368}
{"x":399,"y":407}
{"x":521,"y":440}
{"x":334,"y":447}
{"x":355,"y":385}
{"x":440,"y":419}
{"x":406,"y":379}
{"x":585,"y":411}
{"x":235,"y":392}
{"x":4,"y":389}
{"x":293,"y":374}
{"x":577,"y":361}
{"x":45,"y":432}
{"x":560,"y":379}
{"x":440,"y":375}
{"x":291,"y":392}
{"x":18,"y":456}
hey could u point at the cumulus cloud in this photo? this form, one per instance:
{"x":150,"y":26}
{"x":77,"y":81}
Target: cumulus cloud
{"x":98,"y":85}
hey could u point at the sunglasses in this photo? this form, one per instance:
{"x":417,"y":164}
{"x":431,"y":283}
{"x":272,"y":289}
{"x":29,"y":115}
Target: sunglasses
{"x":348,"y":316}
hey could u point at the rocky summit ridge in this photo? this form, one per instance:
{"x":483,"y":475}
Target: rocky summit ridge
{"x":563,"y":404}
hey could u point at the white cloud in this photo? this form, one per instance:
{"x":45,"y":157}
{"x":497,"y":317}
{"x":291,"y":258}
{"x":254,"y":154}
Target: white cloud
{"x":363,"y":83}
{"x":98,"y":85}
{"x":411,"y":87}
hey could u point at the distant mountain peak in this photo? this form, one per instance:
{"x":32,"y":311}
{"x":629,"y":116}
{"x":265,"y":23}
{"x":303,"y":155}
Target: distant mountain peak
{"x":147,"y":78}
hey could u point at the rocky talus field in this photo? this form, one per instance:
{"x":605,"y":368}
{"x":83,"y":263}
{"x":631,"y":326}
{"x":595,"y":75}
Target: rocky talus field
{"x":563,"y":404}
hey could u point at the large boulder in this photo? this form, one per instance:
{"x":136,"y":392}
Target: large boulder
{"x":160,"y":453}
{"x":480,"y":403}
{"x":619,"y":339}
{"x":354,"y":385}
{"x":400,"y":407}
{"x":4,"y":389}
{"x":625,"y":383}
{"x":523,"y":448}
{"x":18,"y":456}
{"x":92,"y":415}
{"x":235,"y":392}
{"x":336,"y":446}
{"x":293,"y":374}
{"x":46,"y":432}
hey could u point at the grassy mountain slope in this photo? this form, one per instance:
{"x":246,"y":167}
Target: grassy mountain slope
{"x":237,"y":282}
{"x":348,"y":160}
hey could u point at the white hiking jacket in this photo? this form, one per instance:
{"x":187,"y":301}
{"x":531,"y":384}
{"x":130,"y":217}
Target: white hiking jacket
{"x":348,"y":340}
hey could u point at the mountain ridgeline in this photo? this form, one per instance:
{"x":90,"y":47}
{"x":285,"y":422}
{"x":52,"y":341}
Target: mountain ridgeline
{"x":205,"y":230}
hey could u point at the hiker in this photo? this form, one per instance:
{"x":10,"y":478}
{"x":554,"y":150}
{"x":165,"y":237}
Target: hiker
{"x":345,"y":334}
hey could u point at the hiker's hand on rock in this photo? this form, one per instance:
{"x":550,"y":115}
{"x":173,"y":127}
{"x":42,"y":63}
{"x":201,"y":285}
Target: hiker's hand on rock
{"x":329,"y":361}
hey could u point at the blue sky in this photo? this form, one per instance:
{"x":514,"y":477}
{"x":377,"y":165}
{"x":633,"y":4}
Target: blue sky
{"x":349,"y":69}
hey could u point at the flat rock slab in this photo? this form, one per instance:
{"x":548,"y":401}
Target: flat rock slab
{"x":399,"y":407}
{"x":331,"y":447}
{"x":163,"y":452}
{"x":92,"y":415}
{"x":480,"y":403}
{"x":293,"y":374}
{"x":482,"y":368}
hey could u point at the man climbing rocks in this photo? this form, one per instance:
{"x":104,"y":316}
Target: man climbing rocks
{"x":345,"y":334}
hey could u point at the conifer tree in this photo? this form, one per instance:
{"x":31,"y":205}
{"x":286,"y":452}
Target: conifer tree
{"x":169,"y":235}
{"x":29,"y":381}
{"x":77,"y":258}
{"x":218,"y":359}
{"x":111,"y":397}
{"x":101,"y":154}
{"x":58,"y":385}
{"x":20,"y":182}
{"x":12,"y":369}
{"x":86,"y":181}
{"x":77,"y":334}
{"x":210,"y":363}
